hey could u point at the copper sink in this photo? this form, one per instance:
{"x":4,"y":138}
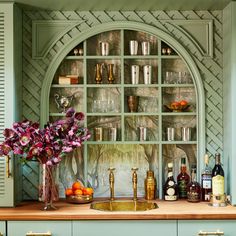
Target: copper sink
{"x":123,"y":205}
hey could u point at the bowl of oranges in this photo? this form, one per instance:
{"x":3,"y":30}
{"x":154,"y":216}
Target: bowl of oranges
{"x":178,"y":106}
{"x":79,"y":194}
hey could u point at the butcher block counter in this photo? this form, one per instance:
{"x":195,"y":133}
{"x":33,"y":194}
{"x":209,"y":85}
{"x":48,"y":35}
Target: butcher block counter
{"x":166,"y":211}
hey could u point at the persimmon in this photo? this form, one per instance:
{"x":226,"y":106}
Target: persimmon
{"x":69,"y":192}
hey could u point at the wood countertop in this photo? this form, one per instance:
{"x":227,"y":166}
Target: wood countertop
{"x":166,"y":211}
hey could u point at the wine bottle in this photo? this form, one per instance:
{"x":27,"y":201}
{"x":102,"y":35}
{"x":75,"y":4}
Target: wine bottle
{"x":206,"y":180}
{"x":170,"y":188}
{"x":183,"y":179}
{"x":217,"y":177}
{"x":193,"y":188}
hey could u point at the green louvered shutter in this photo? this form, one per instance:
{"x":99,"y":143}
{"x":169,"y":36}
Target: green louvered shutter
{"x":6,"y":182}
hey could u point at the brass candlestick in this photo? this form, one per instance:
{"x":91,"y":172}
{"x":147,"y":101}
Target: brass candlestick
{"x":98,"y":73}
{"x":110,"y":73}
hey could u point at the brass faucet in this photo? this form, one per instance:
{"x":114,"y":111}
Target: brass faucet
{"x":135,"y":181}
{"x":111,"y":181}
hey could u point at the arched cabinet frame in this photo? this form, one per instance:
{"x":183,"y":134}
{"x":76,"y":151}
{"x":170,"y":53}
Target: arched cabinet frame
{"x":136,"y":26}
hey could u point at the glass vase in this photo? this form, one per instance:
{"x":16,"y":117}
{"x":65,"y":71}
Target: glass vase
{"x":48,"y":191}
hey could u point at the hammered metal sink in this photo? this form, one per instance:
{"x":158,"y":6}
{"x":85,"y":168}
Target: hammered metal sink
{"x":120,"y":205}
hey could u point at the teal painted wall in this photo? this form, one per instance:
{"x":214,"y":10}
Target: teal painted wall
{"x":209,"y":63}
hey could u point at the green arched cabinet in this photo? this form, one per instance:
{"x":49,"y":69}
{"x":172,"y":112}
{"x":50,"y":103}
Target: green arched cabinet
{"x":125,"y":31}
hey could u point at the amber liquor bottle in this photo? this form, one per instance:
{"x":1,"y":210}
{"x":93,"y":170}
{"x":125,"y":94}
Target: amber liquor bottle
{"x":206,"y":180}
{"x":193,"y":188}
{"x":183,"y":179}
{"x":170,"y":188}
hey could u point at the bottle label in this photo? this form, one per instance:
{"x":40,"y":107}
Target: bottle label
{"x":182,"y":189}
{"x":170,"y":198}
{"x":170,"y":191}
{"x":218,"y":185}
{"x":171,"y":183}
{"x":170,"y":174}
{"x":206,"y":181}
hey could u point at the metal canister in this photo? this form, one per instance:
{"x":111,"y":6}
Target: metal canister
{"x":150,"y":186}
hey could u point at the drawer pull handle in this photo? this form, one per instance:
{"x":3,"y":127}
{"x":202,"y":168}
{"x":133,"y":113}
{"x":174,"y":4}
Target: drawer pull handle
{"x":210,"y":233}
{"x":8,"y":167}
{"x":38,"y":234}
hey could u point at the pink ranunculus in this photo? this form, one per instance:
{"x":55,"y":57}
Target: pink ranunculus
{"x":25,"y":139}
{"x":18,"y":151}
{"x":79,"y":115}
{"x":9,"y":133}
{"x":71,"y":132}
{"x":5,"y":149}
{"x":47,"y":145}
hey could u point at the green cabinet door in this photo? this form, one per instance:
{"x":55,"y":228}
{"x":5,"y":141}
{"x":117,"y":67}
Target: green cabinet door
{"x":196,"y":227}
{"x":124,"y":227}
{"x":2,"y":228}
{"x":54,"y":228}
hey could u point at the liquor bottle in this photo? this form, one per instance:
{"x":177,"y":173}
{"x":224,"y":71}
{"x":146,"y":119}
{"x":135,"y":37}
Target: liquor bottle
{"x":183,"y":179}
{"x":206,"y":180}
{"x":217,"y":177}
{"x":193,"y":188}
{"x":170,"y":188}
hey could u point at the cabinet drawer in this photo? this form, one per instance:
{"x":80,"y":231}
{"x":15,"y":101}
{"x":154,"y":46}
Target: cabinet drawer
{"x":2,"y":228}
{"x":56,"y":228}
{"x":193,"y":227}
{"x":124,"y":227}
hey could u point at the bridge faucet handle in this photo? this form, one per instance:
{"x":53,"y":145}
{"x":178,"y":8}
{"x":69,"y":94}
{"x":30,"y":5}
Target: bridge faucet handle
{"x":111,"y":169}
{"x":134,"y":169}
{"x":134,"y":175}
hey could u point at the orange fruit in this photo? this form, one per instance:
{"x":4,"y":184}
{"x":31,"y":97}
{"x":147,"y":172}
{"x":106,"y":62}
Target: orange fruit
{"x":183,"y":103}
{"x":87,"y":191}
{"x":68,"y":192}
{"x":78,"y":192}
{"x":175,"y":105}
{"x":76,"y":185}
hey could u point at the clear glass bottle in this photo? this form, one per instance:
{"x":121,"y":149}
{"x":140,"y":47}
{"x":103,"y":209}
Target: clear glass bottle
{"x":183,"y":179}
{"x":206,"y":180}
{"x":217,"y":177}
{"x":193,"y":188}
{"x":170,"y":189}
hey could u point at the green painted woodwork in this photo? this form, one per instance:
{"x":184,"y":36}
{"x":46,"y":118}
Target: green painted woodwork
{"x":45,"y":33}
{"x":230,"y":97}
{"x":125,"y":227}
{"x":122,"y":118}
{"x":3,"y":228}
{"x":10,"y":90}
{"x":34,"y":71}
{"x":56,"y":228}
{"x":119,"y":227}
{"x":137,"y":5}
{"x":193,"y":227}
